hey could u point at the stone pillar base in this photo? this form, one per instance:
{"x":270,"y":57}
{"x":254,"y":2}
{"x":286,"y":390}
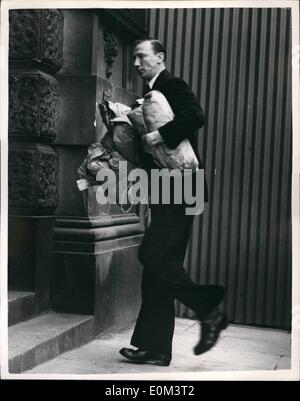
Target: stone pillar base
{"x":102,"y":279}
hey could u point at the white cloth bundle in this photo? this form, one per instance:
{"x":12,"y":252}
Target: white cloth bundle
{"x":150,"y":116}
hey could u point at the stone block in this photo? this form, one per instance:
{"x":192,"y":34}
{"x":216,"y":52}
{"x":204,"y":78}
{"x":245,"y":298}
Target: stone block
{"x":78,"y":42}
{"x":118,"y":289}
{"x":77,"y":110}
{"x":30,"y":256}
{"x":71,"y":200}
{"x":33,"y":105}
{"x":44,"y":337}
{"x":21,"y":253}
{"x":32,"y":180}
{"x":73,"y":283}
{"x":20,"y":306}
{"x":37,"y":36}
{"x":104,"y":282}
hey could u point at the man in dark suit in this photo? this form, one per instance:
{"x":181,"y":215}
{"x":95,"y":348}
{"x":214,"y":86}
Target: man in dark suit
{"x":164,"y":245}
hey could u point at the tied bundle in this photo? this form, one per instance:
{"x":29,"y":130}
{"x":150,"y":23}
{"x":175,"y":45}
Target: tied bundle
{"x":152,"y":114}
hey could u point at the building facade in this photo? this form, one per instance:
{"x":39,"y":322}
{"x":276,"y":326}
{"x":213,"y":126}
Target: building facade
{"x":74,"y":256}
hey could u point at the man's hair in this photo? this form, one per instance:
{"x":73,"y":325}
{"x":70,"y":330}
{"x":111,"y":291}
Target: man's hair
{"x":156,"y":44}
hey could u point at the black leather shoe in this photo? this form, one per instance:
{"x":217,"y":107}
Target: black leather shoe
{"x":210,"y":332}
{"x":142,"y":357}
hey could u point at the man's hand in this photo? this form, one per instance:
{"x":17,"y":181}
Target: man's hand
{"x":150,"y":140}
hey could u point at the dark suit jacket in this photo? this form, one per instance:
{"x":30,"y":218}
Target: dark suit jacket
{"x":188,"y":115}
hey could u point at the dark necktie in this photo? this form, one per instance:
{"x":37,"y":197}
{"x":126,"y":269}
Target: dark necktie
{"x":147,"y":89}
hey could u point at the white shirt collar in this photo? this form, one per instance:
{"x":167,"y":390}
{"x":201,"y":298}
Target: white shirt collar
{"x":151,"y":82}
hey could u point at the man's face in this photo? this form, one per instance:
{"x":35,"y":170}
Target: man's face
{"x":146,"y":62}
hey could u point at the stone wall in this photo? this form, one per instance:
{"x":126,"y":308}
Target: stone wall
{"x":77,"y":256}
{"x":95,"y":269}
{"x":35,"y":56}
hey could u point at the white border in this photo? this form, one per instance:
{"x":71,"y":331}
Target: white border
{"x":282,"y":375}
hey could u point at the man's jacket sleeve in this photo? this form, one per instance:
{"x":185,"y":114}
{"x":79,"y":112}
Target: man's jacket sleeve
{"x":188,"y":115}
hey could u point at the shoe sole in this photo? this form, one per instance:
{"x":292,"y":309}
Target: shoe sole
{"x":144,"y":362}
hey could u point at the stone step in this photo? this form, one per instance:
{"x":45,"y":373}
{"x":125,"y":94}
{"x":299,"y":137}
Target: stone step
{"x":44,"y":337}
{"x":20,"y":306}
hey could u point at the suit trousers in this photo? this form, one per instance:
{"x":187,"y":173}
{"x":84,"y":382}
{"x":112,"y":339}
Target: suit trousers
{"x":162,"y":254}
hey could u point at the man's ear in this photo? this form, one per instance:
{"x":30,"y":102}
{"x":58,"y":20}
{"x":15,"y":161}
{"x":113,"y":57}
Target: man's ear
{"x":161,"y":56}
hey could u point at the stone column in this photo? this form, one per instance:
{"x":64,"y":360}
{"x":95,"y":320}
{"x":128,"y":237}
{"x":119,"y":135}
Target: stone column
{"x":35,"y":54}
{"x":96,"y":270}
